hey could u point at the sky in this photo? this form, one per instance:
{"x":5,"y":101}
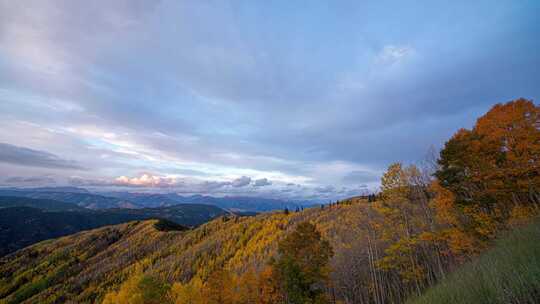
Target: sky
{"x":283,"y":99}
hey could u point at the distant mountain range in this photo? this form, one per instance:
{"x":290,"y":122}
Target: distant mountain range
{"x":80,"y":197}
{"x":58,"y":189}
{"x":25,"y":221}
{"x":105,"y":200}
{"x":30,"y":215}
{"x":45,"y":204}
{"x":232,"y":203}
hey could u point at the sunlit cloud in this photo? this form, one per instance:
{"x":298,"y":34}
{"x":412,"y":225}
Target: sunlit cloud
{"x":146,"y":180}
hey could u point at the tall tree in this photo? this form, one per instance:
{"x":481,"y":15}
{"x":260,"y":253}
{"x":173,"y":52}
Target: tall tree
{"x":219,"y":288}
{"x":269,"y":287}
{"x":401,"y":224}
{"x":302,"y":265}
{"x":189,"y":293}
{"x":247,"y":288}
{"x":493,"y":170}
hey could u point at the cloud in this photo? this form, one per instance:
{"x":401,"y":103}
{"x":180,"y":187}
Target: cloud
{"x":360,"y":176}
{"x":325,"y":189}
{"x":166,"y":183}
{"x":208,"y":186}
{"x":34,"y":158}
{"x":241,"y":182}
{"x":83,"y":182}
{"x":262,"y":182}
{"x":279,"y":190}
{"x":148,"y":180}
{"x":30,"y":180}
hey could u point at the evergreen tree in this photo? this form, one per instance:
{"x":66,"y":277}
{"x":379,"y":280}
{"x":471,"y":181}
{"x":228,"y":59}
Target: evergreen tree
{"x":302,"y":266}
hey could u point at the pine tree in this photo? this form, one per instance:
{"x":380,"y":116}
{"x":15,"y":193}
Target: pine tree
{"x":302,"y":265}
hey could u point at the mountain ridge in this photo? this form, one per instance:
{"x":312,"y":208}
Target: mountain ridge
{"x":132,"y":200}
{"x":82,"y":199}
{"x":232,"y":203}
{"x":24,"y":221}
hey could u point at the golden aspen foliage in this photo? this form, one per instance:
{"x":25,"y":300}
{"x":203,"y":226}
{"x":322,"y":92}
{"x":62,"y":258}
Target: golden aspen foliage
{"x":219,"y":288}
{"x":189,"y":293}
{"x":269,"y":287}
{"x":139,"y":289}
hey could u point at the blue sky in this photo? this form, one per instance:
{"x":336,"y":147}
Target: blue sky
{"x":290,"y":99}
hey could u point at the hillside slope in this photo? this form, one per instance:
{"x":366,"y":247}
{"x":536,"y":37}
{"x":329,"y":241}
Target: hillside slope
{"x":83,"y":267}
{"x":23,"y":226}
{"x":508,"y":273}
{"x":184,"y":214}
{"x":25,"y":221}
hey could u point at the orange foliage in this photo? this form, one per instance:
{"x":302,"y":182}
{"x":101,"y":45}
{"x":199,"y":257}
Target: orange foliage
{"x":493,"y":170}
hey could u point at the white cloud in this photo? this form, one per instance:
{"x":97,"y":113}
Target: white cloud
{"x":148,"y":180}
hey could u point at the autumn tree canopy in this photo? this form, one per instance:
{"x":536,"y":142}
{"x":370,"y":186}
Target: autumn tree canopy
{"x":140,"y":289}
{"x":494,"y":169}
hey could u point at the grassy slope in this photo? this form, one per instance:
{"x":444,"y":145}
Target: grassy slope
{"x":508,"y":273}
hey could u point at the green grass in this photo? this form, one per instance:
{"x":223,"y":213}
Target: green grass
{"x":507,"y":273}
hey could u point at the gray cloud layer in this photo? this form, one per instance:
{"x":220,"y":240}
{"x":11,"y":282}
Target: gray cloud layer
{"x":34,"y":158}
{"x":262,"y":182}
{"x":241,"y":182}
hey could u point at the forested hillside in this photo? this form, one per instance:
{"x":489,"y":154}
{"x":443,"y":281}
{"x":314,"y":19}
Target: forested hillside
{"x":23,"y":226}
{"x":427,"y":221}
{"x":49,"y":205}
{"x":107,"y":256}
{"x":25,"y":221}
{"x":184,"y":214}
